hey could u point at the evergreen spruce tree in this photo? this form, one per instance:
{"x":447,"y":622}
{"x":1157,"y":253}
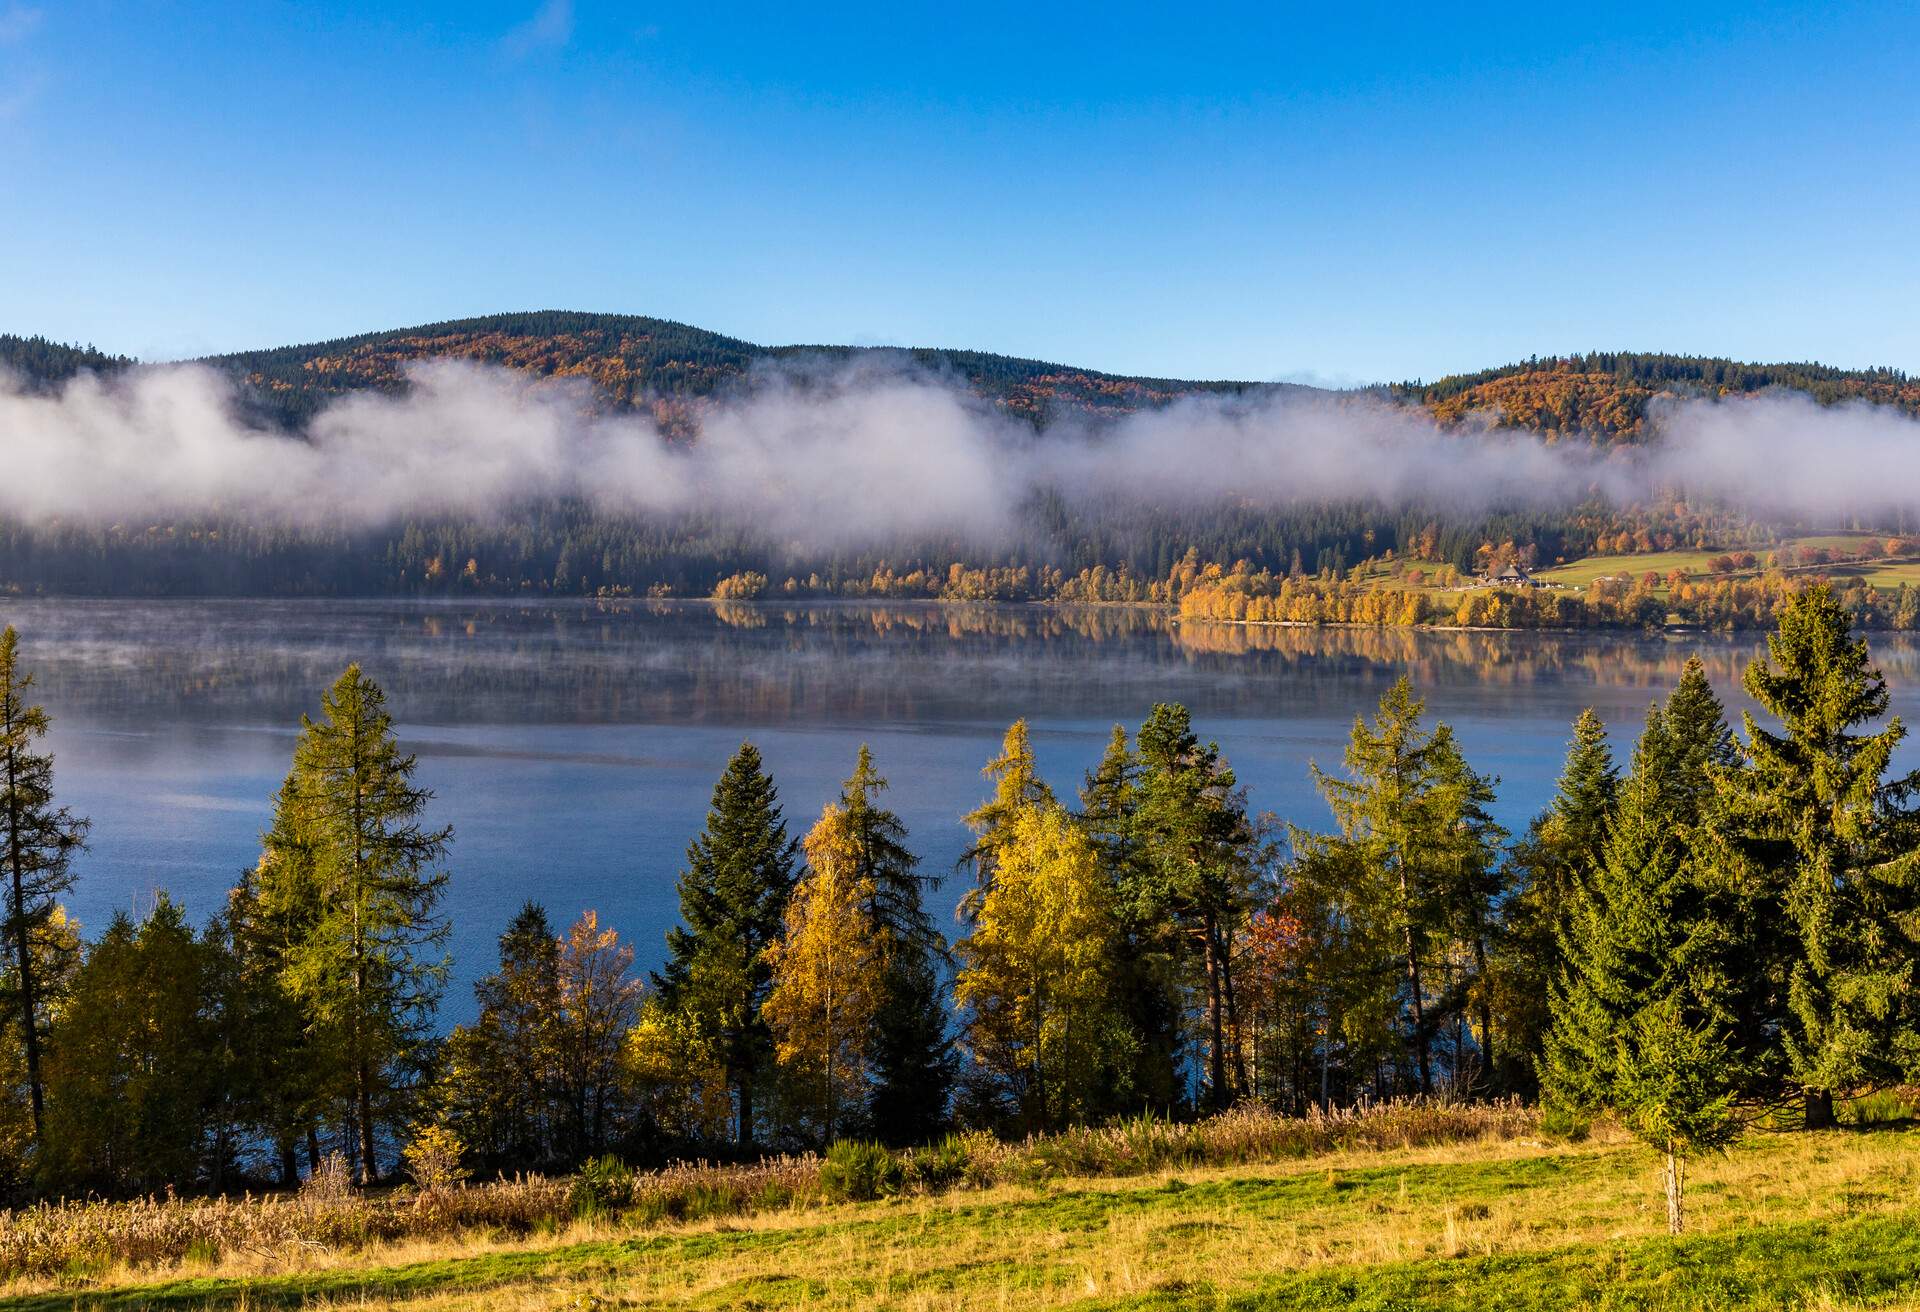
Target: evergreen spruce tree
{"x":349,"y":856}
{"x":1196,"y":856}
{"x":1643,"y":1014}
{"x":1146,"y":972}
{"x":733,"y":895}
{"x":38,"y":841}
{"x":1815,"y":818}
{"x":913,"y":1062}
{"x":1561,"y":849}
{"x":499,"y":1086}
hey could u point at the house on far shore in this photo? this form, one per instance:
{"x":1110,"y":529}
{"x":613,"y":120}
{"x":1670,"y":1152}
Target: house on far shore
{"x":1512,"y":577}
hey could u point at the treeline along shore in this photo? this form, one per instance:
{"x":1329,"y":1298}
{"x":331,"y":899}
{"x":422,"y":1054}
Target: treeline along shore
{"x":1706,"y":929}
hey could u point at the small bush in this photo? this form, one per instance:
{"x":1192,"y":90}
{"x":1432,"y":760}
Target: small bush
{"x":603,"y":1184}
{"x":433,"y":1159}
{"x":856,"y":1171}
{"x":939,"y":1165}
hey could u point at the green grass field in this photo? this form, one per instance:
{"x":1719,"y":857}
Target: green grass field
{"x":1819,"y":1221}
{"x":1887,"y":574}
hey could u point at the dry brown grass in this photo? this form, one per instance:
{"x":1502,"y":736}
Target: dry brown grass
{"x":72,"y":1240}
{"x":1056,"y":1241}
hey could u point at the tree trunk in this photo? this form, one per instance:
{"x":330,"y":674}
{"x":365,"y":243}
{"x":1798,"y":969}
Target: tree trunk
{"x":1419,"y":1015}
{"x":1485,"y":1009}
{"x":1675,"y":1177}
{"x":745,"y":1135}
{"x":1217,"y":1057}
{"x":1819,"y":1110}
{"x":289,"y":1165}
{"x":23,"y":946}
{"x":313,"y":1148}
{"x":369,"y":1166}
{"x":1241,"y":1084}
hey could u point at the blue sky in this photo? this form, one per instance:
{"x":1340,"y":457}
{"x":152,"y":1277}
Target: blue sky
{"x":1348,"y":192}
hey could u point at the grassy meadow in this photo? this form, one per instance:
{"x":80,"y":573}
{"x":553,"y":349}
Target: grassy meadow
{"x":1510,"y":1220}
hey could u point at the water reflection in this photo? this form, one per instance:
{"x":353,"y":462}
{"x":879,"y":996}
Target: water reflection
{"x":573,"y":745}
{"x":633,"y":662}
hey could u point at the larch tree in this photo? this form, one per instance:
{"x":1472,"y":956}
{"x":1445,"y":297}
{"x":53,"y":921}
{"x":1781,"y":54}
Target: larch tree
{"x":348,"y":838}
{"x":830,"y":978}
{"x":1474,"y":881}
{"x":1016,"y":786}
{"x":38,"y":841}
{"x":1037,"y":972}
{"x":1815,"y":815}
{"x":135,"y":1070}
{"x":733,"y":895}
{"x":293,"y":1062}
{"x":599,"y":1001}
{"x":1395,"y":830}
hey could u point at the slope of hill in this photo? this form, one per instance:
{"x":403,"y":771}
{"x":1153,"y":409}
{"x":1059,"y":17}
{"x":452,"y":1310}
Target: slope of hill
{"x":1604,"y":396}
{"x":637,"y":360}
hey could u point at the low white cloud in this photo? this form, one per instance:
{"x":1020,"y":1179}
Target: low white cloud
{"x":877,"y":450}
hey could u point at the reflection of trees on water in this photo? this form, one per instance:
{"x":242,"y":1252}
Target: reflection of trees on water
{"x":769,"y":663}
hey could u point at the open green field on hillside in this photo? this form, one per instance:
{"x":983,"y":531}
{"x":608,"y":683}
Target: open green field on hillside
{"x":1878,"y":573}
{"x":1820,"y":1221}
{"x":1579,"y":573}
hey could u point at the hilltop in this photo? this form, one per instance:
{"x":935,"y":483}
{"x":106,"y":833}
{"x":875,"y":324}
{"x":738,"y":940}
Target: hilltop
{"x":640,"y":361}
{"x":636,"y":360}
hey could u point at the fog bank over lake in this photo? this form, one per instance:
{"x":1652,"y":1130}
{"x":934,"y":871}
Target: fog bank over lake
{"x":573,"y":745}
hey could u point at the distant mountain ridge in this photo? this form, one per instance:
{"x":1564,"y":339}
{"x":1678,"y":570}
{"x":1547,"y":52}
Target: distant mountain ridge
{"x":668,"y":367}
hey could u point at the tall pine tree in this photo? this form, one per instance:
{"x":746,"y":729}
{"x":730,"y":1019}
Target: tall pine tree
{"x":1558,"y":854}
{"x":38,"y":841}
{"x":1644,"y":1021}
{"x":912,"y":1053}
{"x":348,"y":843}
{"x":1815,"y":817}
{"x":733,"y":895}
{"x":1196,"y":849}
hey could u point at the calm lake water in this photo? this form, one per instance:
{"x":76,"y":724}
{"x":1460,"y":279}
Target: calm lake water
{"x":573,"y":746}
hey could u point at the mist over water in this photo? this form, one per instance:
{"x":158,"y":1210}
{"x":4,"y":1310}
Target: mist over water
{"x":877,"y":450}
{"x":574,"y":746}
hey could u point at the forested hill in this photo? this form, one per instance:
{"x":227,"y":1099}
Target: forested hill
{"x":1604,"y":397}
{"x":640,"y":361}
{"x":42,"y":364}
{"x":636,"y":360}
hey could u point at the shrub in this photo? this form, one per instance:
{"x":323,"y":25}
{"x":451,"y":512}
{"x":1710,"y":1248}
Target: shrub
{"x":940,"y":1165}
{"x":433,"y":1159}
{"x":856,"y":1171}
{"x":603,"y":1184}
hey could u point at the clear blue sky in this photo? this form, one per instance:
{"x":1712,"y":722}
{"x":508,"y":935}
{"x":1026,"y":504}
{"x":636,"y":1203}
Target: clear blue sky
{"x":1350,"y":191}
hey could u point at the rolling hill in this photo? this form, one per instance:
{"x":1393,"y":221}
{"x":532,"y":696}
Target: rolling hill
{"x":639,"y":361}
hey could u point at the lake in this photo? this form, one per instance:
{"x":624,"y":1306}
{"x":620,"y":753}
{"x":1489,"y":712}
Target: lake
{"x":573,"y":746}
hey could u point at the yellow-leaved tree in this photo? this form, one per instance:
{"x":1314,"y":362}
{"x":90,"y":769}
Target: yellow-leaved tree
{"x":1037,"y":974}
{"x":829,"y":977}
